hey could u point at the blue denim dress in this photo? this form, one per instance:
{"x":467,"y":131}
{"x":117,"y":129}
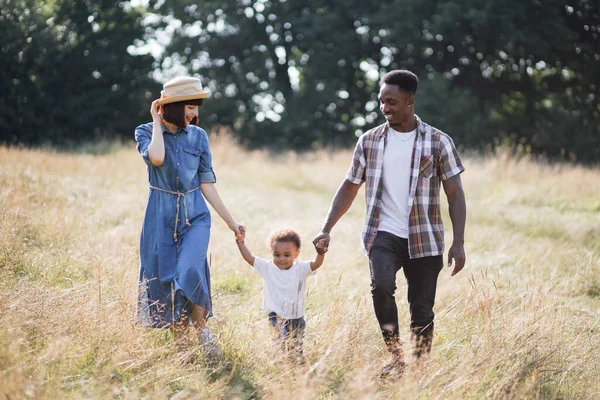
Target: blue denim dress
{"x":176,"y":229}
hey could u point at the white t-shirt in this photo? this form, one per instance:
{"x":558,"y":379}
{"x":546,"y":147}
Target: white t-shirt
{"x":284,"y":290}
{"x":396,"y":182}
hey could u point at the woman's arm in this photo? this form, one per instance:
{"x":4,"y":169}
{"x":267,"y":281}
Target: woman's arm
{"x":210,"y":193}
{"x":156,"y":148}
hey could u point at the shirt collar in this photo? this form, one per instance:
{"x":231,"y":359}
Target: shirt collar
{"x":420,"y":126}
{"x":164,"y":129}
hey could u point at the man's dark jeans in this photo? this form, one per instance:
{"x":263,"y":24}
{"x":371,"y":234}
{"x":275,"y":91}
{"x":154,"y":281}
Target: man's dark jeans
{"x":388,"y":254}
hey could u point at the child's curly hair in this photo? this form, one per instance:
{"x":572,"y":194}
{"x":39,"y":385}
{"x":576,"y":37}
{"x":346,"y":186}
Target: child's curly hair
{"x":284,"y":235}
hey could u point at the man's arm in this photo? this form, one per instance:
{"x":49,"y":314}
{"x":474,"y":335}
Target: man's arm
{"x":341,"y":203}
{"x":458,"y":214}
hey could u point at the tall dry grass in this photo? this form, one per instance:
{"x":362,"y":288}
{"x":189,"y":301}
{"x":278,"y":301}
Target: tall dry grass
{"x":520,"y":322}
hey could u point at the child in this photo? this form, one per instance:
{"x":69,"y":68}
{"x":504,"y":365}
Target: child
{"x":284,"y":285}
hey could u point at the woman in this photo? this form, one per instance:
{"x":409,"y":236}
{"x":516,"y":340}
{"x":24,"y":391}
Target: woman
{"x":174,"y":273}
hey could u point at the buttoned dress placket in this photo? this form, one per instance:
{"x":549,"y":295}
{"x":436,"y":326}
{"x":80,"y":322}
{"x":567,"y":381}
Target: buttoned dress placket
{"x":177,"y":226}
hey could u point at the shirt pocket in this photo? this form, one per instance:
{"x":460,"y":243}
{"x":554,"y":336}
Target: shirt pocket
{"x":426,"y":167}
{"x":191,"y":158}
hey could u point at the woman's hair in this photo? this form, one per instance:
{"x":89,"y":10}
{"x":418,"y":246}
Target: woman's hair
{"x":175,"y":112}
{"x":284,"y":235}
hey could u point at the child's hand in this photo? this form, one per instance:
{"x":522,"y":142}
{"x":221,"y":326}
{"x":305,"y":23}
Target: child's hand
{"x":240,"y":238}
{"x":320,"y":247}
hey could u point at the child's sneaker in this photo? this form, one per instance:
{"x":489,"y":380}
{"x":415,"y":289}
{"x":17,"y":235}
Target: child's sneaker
{"x":210,"y":347}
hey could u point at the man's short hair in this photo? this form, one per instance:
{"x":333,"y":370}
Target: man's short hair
{"x":406,"y":80}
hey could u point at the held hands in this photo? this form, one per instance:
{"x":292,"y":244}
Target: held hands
{"x":155,"y":111}
{"x":456,"y":252}
{"x":239,"y":237}
{"x":321,"y":242}
{"x":244,"y":251}
{"x":321,"y":247}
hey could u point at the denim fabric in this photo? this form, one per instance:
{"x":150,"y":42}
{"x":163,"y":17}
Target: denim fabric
{"x":290,"y":333}
{"x":175,"y":272}
{"x":388,"y":254}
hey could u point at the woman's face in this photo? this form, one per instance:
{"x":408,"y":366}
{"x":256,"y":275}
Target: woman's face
{"x":191,"y":113}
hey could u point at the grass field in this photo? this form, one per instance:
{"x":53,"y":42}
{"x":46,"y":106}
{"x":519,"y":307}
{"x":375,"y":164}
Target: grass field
{"x":521,"y":321}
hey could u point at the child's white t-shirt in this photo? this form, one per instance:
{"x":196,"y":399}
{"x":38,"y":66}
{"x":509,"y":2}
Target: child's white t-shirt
{"x":284,"y":290}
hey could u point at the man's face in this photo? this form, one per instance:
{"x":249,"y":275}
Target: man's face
{"x":394,"y":104}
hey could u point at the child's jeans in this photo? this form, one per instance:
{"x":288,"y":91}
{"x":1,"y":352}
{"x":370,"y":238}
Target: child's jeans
{"x":290,"y":334}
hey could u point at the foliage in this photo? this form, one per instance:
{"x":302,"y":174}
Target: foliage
{"x":66,"y":73}
{"x":296,"y":74}
{"x":301,"y":75}
{"x":533,"y":66}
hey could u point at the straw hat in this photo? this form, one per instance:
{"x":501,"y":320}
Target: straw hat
{"x":181,"y":89}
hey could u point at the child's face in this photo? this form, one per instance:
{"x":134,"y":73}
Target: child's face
{"x":284,"y":254}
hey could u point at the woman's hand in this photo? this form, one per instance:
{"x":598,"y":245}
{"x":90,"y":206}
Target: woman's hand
{"x":240,"y":238}
{"x":155,"y":112}
{"x":238,"y":229}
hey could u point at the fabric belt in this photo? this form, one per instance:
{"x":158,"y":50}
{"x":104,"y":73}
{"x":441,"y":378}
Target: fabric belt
{"x":179,"y":196}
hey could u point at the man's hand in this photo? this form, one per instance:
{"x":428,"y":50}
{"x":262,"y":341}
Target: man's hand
{"x":321,"y":242}
{"x":456,"y":253}
{"x":321,"y":247}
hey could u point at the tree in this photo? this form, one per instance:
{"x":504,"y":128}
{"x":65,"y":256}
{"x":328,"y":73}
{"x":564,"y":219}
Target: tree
{"x":284,"y":73}
{"x":69,"y":75}
{"x":297,"y":73}
{"x":533,"y":66}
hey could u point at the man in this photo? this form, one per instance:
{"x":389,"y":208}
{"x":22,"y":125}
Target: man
{"x":403,"y":163}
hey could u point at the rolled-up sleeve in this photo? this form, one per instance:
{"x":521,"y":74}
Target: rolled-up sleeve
{"x":143,"y":137}
{"x":450,"y":163}
{"x":356,"y":172}
{"x":205,"y":171}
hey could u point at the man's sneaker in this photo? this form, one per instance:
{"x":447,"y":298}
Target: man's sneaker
{"x":210,"y":347}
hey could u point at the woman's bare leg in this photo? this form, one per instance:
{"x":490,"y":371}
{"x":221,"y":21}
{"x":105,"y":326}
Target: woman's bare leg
{"x":198,"y":316}
{"x":210,"y":346}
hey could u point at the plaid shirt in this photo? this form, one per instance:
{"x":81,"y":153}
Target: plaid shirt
{"x":434,"y":159}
